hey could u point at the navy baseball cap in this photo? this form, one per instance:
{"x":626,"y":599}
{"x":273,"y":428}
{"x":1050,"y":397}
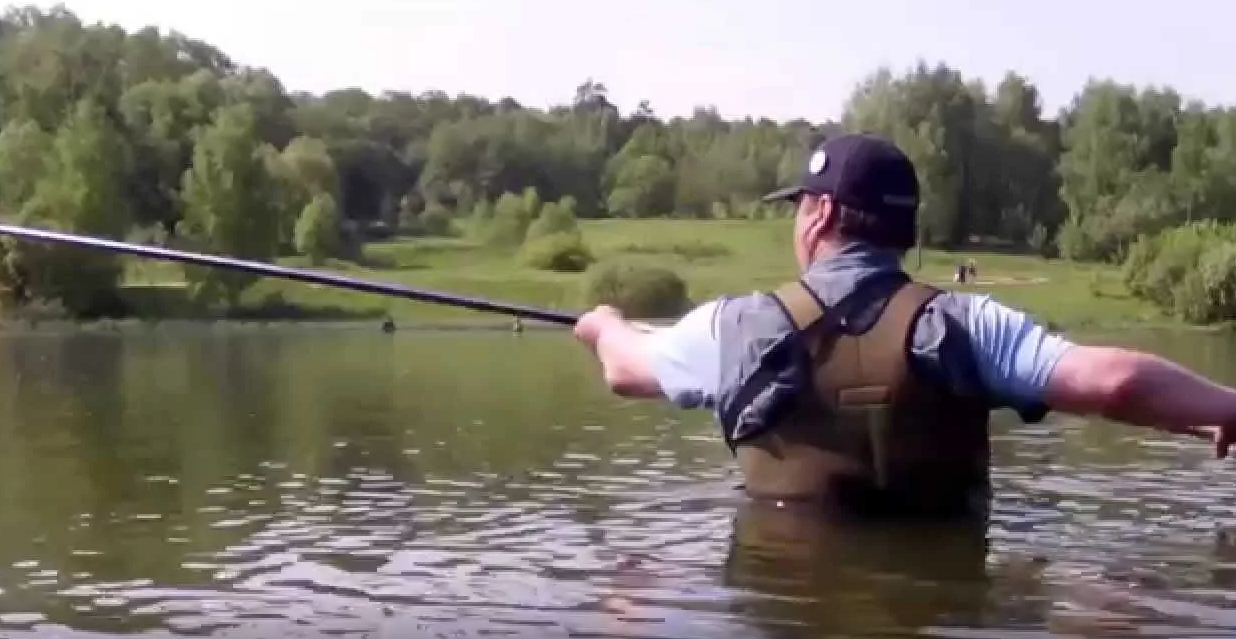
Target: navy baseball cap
{"x":860,"y":170}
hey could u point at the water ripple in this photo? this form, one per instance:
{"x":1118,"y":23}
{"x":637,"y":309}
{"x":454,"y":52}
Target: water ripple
{"x":344,"y":508}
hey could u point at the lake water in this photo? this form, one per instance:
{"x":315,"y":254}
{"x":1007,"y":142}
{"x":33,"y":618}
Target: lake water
{"x":343,"y":482}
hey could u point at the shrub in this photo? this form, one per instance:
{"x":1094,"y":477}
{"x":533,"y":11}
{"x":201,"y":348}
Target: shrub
{"x":638,"y":290}
{"x":554,"y":218}
{"x":1189,"y":271}
{"x":1208,"y":292}
{"x":435,"y":222}
{"x":317,"y":229}
{"x":508,"y":225}
{"x":1156,"y":264}
{"x":564,"y":252}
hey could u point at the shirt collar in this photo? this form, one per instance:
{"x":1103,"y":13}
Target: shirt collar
{"x":856,"y":256}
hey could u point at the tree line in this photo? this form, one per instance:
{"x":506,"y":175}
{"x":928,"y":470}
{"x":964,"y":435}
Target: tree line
{"x":161,"y":137}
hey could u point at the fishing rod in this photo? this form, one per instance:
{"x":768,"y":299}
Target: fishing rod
{"x":302,"y":275}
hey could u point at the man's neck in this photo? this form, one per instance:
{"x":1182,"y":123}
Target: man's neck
{"x":842,"y":254}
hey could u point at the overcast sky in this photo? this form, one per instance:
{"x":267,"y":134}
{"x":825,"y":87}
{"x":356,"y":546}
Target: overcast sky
{"x":777,"y":58}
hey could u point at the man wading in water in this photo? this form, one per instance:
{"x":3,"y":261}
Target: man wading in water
{"x":856,"y":386}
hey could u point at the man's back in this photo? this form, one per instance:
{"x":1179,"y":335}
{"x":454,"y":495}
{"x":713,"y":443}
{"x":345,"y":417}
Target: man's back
{"x":867,"y":431}
{"x":747,"y":363}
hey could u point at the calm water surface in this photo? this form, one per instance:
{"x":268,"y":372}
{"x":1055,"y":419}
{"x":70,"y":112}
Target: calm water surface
{"x":314,"y":482}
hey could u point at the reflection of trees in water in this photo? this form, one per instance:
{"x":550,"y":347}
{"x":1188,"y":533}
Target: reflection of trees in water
{"x":146,"y":456}
{"x":73,"y":464}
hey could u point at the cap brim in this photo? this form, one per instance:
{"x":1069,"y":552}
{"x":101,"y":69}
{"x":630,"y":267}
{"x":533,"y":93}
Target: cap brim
{"x":784,"y":195}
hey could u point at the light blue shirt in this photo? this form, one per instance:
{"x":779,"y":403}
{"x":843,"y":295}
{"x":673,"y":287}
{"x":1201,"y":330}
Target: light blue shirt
{"x":1014,"y":356}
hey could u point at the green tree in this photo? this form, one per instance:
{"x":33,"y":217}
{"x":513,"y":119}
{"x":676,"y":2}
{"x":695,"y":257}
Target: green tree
{"x":81,"y":191}
{"x":25,"y":150}
{"x":643,"y":187}
{"x":317,"y":229}
{"x":230,"y":203}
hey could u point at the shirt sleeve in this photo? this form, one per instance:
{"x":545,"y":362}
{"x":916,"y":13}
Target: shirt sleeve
{"x":1014,"y":355}
{"x":685,"y":358}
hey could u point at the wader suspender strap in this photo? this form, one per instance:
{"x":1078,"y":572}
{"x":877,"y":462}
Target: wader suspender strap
{"x":800,"y":304}
{"x":860,"y":375}
{"x":864,"y":369}
{"x":805,"y":310}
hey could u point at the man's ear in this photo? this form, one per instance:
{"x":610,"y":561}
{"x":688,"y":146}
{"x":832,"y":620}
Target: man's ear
{"x":825,"y":214}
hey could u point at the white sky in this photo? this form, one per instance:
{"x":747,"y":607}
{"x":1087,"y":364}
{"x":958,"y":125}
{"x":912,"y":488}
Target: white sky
{"x":776,"y":58}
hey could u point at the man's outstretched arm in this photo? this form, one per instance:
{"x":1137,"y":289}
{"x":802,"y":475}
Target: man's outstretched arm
{"x":679,"y":362}
{"x":1022,"y":363}
{"x":1141,"y":389}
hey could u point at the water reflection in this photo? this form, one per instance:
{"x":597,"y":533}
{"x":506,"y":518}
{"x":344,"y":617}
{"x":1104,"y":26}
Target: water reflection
{"x":857,"y":577}
{"x":353,"y":483}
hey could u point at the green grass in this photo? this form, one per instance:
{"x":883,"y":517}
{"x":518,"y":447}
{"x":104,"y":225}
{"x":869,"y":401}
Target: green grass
{"x":714,"y":257}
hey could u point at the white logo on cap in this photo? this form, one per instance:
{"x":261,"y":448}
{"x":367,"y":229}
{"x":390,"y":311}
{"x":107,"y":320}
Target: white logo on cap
{"x":819,"y":160}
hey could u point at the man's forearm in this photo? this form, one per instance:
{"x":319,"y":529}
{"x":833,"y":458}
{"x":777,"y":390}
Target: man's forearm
{"x":1159,"y":393}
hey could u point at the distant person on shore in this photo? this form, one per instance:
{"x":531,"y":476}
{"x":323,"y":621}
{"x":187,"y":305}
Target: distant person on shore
{"x":857,"y":387}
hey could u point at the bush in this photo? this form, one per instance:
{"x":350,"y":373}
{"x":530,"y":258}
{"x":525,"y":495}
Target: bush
{"x":564,"y":252}
{"x":508,"y":225}
{"x":638,"y":290}
{"x":1208,"y":292}
{"x":317,"y":229}
{"x":1156,"y":264}
{"x":435,"y":222}
{"x":554,"y":218}
{"x":1163,"y":273}
{"x":1189,"y":271}
{"x":82,"y":282}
